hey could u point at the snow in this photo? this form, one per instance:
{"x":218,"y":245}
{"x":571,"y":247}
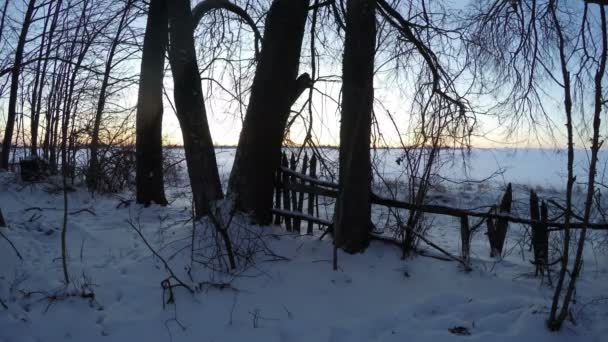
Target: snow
{"x":374,"y":296}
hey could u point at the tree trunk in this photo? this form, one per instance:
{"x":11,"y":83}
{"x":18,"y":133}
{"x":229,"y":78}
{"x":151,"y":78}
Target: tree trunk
{"x":554,"y":322}
{"x":589,"y":201}
{"x":38,"y":86}
{"x":274,"y":89}
{"x":353,"y":219}
{"x":93,"y":172}
{"x":50,"y":109}
{"x":190,"y":107}
{"x":79,"y":49}
{"x":149,"y":165}
{"x":12,"y":101}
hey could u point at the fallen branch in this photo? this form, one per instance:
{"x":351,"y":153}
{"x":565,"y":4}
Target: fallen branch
{"x":220,"y":286}
{"x":449,"y":256}
{"x":85,"y":210}
{"x":75,"y":212}
{"x":124,"y":203}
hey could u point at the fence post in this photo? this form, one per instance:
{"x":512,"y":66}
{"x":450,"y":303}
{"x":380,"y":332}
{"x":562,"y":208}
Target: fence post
{"x":544,"y":239}
{"x":465,"y":237}
{"x":294,"y":194}
{"x":540,"y":238}
{"x":497,"y":229}
{"x":286,"y":200}
{"x":277,"y":194}
{"x":2,"y":221}
{"x":535,"y":216}
{"x":311,"y":196}
{"x":301,"y":194}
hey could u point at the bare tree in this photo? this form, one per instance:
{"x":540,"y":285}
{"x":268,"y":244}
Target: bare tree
{"x":556,"y":320}
{"x":38,"y":86}
{"x":93,"y":172}
{"x":15,"y":72}
{"x":529,"y":44}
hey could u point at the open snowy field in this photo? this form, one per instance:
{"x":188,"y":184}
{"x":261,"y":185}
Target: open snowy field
{"x":288,"y":291}
{"x":534,"y":167}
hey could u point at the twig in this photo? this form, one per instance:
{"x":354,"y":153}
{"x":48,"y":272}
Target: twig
{"x":220,"y":286}
{"x":428,"y":242}
{"x":3,"y":305}
{"x":12,"y":245}
{"x":167,"y":267}
{"x":87,"y":210}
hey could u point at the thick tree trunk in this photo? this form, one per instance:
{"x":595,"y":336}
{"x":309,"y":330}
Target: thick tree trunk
{"x":12,"y":101}
{"x":149,"y":174}
{"x":353,"y":218}
{"x":190,"y":107}
{"x":274,"y":90}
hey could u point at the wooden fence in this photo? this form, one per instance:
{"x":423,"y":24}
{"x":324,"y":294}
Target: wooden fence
{"x":291,"y":184}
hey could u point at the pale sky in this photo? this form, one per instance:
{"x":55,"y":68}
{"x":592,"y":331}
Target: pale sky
{"x":225,"y":120}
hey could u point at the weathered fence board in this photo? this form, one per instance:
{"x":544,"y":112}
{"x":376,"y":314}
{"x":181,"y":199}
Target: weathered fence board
{"x":286,"y":200}
{"x":294,"y":194}
{"x":311,"y":196}
{"x":301,"y":216}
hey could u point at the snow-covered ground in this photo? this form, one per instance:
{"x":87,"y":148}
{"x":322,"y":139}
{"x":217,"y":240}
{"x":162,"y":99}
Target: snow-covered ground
{"x":290,"y":293}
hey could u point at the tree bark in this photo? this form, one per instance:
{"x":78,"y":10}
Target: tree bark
{"x":190,"y":108}
{"x":353,"y":218}
{"x":12,"y":101}
{"x":274,"y":89}
{"x":149,"y":156}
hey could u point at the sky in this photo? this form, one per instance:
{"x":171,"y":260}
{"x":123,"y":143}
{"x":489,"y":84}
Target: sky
{"x":225,"y":118}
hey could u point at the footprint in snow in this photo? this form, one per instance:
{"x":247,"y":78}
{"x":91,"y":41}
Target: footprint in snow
{"x":342,"y":279}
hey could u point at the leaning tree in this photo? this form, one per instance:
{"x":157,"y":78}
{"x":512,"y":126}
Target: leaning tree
{"x":275,"y":87}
